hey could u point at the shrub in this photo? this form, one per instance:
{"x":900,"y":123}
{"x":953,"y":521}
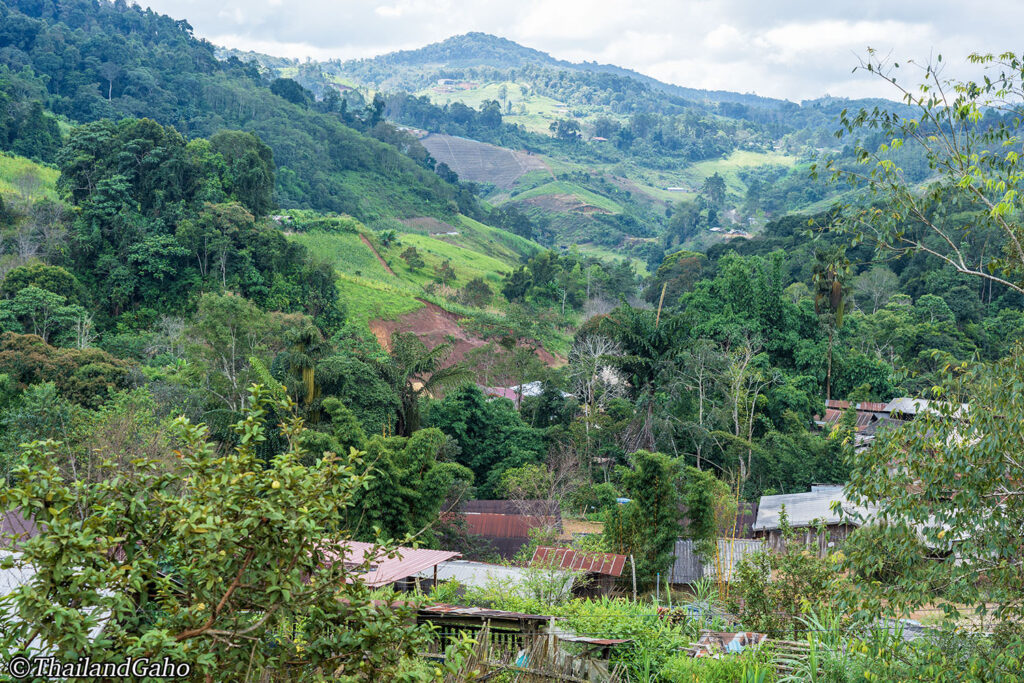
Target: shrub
{"x":751,"y":665}
{"x":773,"y":589}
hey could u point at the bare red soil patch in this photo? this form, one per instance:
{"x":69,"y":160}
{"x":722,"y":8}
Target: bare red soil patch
{"x":434,"y":326}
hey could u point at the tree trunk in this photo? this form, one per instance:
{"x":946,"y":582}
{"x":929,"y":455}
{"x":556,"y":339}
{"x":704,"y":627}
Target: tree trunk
{"x":828,"y":373}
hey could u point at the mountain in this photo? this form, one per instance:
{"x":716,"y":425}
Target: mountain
{"x":477,"y":50}
{"x":95,"y":60}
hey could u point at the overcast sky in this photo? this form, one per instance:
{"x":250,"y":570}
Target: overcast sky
{"x":793,"y":49}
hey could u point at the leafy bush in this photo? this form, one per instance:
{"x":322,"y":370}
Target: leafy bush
{"x":751,"y":666}
{"x":773,"y":589}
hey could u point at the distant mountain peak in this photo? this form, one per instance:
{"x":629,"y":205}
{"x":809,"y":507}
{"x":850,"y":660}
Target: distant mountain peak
{"x":471,"y":49}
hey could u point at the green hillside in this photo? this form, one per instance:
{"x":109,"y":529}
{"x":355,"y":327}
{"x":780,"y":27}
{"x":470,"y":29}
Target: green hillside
{"x":324,"y":160}
{"x":18,"y":175}
{"x":370,"y":292}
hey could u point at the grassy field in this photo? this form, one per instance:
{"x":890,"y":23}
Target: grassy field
{"x":345,"y":251}
{"x":561,"y":187}
{"x":467,"y":263}
{"x":694,"y":175}
{"x":612,"y":255}
{"x":13,"y":168}
{"x":499,"y":244}
{"x":369,"y":292}
{"x":533,"y":112}
{"x":367,"y":299}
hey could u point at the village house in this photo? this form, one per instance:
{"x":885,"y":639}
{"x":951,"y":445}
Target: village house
{"x":824,"y":506}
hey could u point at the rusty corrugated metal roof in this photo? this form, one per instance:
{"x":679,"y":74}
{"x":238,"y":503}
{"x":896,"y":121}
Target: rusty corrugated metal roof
{"x":511,"y":507}
{"x":573,"y":638}
{"x":16,"y":528}
{"x":567,"y":558}
{"x":386,"y":570}
{"x":491,"y":525}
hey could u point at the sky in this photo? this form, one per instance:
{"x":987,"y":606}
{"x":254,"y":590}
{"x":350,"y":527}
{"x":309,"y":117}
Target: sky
{"x":792,"y":49}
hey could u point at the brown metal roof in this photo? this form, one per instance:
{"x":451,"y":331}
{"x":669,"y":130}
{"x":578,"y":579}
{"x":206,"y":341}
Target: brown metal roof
{"x":386,"y":570}
{"x":512,"y":507}
{"x":15,"y":528}
{"x":833,"y":415}
{"x":505,"y":526}
{"x":566,"y":558}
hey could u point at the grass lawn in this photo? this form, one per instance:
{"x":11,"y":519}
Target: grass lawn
{"x":367,"y":299}
{"x":467,"y":263}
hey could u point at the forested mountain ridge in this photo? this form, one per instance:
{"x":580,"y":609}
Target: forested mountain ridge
{"x":108,"y":60}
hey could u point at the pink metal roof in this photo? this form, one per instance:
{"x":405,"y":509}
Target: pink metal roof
{"x":386,"y":570}
{"x":597,"y":563}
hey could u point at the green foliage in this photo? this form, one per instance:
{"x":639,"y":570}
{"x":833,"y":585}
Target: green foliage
{"x":648,"y":526}
{"x":772,"y":590}
{"x":476,"y":293}
{"x":409,"y":485}
{"x":227,"y":332}
{"x":51,"y":278}
{"x":491,"y":435}
{"x":149,"y":232}
{"x":951,"y":479}
{"x":123,"y":61}
{"x":752,"y":666}
{"x":82,"y":376}
{"x":243,"y":550}
{"x":413,"y":259}
{"x":43,"y":313}
{"x":412,"y":371}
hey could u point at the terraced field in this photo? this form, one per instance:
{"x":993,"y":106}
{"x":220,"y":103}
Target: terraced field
{"x":480,"y":162}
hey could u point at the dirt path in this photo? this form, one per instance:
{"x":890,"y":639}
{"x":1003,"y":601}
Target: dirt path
{"x":379,"y":258}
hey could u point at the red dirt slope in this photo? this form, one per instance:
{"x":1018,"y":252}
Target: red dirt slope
{"x":434,"y":325}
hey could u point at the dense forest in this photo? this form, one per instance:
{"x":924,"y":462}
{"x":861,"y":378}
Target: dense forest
{"x":246,"y":320}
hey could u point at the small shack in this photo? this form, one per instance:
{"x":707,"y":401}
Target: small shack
{"x":505,"y":524}
{"x":400,"y":570}
{"x":808,"y":511}
{"x":510,"y":632}
{"x":600,"y":569}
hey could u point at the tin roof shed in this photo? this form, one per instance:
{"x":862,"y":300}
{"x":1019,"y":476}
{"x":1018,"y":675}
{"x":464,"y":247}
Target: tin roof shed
{"x":578,"y":560}
{"x":806,"y":509}
{"x":386,"y":570}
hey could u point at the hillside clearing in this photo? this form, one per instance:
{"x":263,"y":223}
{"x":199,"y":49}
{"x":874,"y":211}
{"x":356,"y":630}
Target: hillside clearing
{"x":480,"y":162}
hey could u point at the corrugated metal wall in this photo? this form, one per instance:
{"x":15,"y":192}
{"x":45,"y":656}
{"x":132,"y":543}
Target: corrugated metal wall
{"x":688,"y":566}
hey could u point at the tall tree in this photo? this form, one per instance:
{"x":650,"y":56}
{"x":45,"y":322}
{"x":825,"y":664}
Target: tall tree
{"x":831,"y":296}
{"x":204,"y":572}
{"x":414,"y":371}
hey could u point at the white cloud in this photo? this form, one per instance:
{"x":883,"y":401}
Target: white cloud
{"x":796,"y":49}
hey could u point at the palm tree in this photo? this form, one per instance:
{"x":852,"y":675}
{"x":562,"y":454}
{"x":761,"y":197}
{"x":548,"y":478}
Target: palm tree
{"x":413,"y":371}
{"x":649,"y":346}
{"x":831,"y":294}
{"x":306,"y":347}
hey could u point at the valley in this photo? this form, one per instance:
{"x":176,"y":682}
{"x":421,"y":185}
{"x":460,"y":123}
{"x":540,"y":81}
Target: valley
{"x":467,"y":362}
